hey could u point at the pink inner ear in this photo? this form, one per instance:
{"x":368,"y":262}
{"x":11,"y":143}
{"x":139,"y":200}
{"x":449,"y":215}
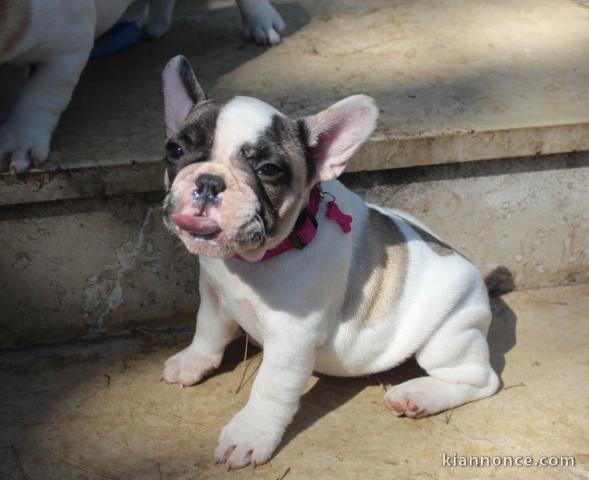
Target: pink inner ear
{"x":337,"y":132}
{"x":327,"y":147}
{"x":177,"y":102}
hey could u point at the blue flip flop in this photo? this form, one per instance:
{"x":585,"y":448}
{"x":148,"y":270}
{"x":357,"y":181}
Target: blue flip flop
{"x":121,"y":36}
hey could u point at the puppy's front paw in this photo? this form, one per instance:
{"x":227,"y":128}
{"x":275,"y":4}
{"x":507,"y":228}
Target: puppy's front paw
{"x":262,"y":23}
{"x":247,"y":440}
{"x":188,"y":367}
{"x":20,"y":149}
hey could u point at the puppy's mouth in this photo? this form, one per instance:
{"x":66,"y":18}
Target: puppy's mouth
{"x":198,"y":227}
{"x":201,"y":228}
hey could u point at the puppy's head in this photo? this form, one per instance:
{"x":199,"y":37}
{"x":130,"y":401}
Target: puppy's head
{"x":239,"y":171}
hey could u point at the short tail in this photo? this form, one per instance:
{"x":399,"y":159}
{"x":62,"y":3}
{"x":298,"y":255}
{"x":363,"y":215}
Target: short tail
{"x":499,"y":281}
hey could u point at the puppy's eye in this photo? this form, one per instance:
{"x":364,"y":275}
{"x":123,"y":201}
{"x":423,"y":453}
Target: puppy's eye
{"x":269,"y":170}
{"x":174,"y":150}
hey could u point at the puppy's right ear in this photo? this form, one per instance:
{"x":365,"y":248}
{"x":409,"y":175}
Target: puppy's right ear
{"x":333,"y":135}
{"x":181,"y":92}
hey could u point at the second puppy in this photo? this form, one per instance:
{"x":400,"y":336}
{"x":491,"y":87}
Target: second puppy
{"x":56,"y":36}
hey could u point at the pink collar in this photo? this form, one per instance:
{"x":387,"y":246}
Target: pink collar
{"x":305,"y":228}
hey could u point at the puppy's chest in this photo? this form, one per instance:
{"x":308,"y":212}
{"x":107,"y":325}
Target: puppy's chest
{"x":246,"y":312}
{"x":242,"y":303}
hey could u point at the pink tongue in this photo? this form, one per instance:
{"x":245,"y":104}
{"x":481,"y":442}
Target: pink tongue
{"x":197,"y":225}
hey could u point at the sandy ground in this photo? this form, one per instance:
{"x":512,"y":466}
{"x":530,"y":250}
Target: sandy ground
{"x":98,"y":411}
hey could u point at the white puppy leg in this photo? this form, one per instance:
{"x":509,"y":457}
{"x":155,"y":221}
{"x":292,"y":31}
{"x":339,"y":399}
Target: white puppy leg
{"x":25,"y":137}
{"x":261,"y":22}
{"x":159,"y":17}
{"x":254,"y":432}
{"x":214,"y":330}
{"x":457,"y":360}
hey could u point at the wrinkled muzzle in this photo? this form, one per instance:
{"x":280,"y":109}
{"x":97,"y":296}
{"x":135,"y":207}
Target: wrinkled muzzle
{"x":213,"y":213}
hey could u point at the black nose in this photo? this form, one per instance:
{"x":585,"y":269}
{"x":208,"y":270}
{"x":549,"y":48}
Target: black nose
{"x":209,"y":186}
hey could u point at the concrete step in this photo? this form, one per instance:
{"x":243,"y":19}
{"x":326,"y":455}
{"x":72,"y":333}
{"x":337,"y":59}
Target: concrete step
{"x":476,"y":98}
{"x":98,"y":410}
{"x":96,"y":266}
{"x":456,"y":81}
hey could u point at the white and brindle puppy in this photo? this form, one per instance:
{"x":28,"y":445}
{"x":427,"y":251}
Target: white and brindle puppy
{"x":240,"y":175}
{"x":57,"y":36}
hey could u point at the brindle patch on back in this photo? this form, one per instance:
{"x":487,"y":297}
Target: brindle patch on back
{"x":437,"y":245}
{"x":378,"y":271}
{"x":15,"y":17}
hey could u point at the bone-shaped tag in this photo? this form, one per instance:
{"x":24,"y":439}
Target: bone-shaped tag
{"x":334,"y":213}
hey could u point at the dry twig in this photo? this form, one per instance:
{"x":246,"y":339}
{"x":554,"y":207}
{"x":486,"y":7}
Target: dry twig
{"x":96,"y":392}
{"x":515,"y":386}
{"x":244,"y":369}
{"x":536,"y":298}
{"x":383,"y":383}
{"x":286,"y":472}
{"x":246,"y":363}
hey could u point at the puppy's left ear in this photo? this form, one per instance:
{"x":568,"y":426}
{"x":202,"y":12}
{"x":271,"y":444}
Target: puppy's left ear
{"x":181,"y":92}
{"x":333,"y":135}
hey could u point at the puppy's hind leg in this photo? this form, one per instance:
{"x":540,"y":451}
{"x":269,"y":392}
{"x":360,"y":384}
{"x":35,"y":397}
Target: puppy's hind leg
{"x":457,"y":361}
{"x":25,"y":136}
{"x":159,"y":18}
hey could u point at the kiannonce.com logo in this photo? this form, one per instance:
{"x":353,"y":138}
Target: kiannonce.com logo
{"x":457,"y":460}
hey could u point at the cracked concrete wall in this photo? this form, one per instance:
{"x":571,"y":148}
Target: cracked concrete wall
{"x":90,"y":267}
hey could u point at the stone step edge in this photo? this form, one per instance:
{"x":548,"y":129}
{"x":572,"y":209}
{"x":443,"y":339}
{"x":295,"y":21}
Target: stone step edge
{"x":382,"y":152}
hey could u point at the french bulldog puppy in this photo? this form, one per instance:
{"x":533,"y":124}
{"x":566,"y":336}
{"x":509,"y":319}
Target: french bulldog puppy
{"x":57,"y":36}
{"x":254,"y":194}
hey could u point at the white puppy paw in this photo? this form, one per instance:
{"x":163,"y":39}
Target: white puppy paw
{"x":261,"y":22}
{"x":424,"y":396}
{"x":247,"y":440}
{"x":189,"y":367}
{"x":20,"y":149}
{"x":412,"y":399}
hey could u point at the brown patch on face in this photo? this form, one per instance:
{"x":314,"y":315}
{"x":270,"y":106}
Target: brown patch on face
{"x":281,"y":197}
{"x":15,"y":18}
{"x":195,"y":138}
{"x":378,"y":271}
